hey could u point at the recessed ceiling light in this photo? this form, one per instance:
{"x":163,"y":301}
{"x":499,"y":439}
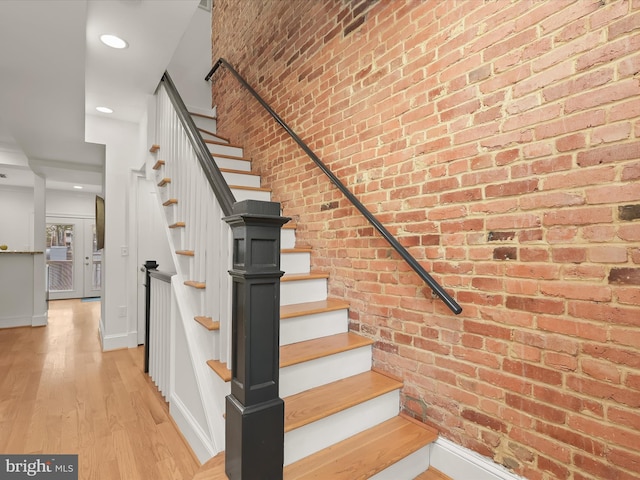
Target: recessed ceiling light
{"x":104,"y":109}
{"x":113,"y":41}
{"x":78,"y":187}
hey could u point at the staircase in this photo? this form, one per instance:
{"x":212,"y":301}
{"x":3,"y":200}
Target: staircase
{"x":342,"y":419}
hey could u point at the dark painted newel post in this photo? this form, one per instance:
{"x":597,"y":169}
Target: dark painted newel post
{"x":255,"y":412}
{"x":148,"y":265}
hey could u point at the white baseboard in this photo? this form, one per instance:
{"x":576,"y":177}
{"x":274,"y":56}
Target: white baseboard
{"x":191,"y":430}
{"x":461,"y":463}
{"x":40,"y":320}
{"x":12,"y":322}
{"x":114,"y":342}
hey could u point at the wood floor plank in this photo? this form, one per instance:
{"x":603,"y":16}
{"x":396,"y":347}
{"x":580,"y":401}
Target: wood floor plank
{"x":432,"y":474}
{"x":62,"y":394}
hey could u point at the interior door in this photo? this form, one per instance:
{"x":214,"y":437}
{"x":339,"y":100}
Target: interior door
{"x":74,"y":267}
{"x":92,"y":260}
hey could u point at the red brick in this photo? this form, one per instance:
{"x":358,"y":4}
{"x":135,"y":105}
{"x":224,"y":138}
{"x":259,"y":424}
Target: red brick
{"x":558,"y":470}
{"x":610,"y":133}
{"x":578,"y":291}
{"x":607,"y":254}
{"x":604,"y":312}
{"x":568,"y":437}
{"x":527,"y":370}
{"x":573,"y":327}
{"x":561,"y":361}
{"x":512,"y":188}
{"x":608,"y":52}
{"x":571,"y":142}
{"x":613,"y":434}
{"x":625,"y":459}
{"x":579,"y":84}
{"x":578,"y":216}
{"x":603,"y":95}
{"x":484,"y":420}
{"x":536,"y":409}
{"x":600,"y":370}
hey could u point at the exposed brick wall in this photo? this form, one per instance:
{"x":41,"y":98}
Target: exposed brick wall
{"x":500,"y":141}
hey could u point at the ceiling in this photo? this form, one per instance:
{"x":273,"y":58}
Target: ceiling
{"x":54,"y":70}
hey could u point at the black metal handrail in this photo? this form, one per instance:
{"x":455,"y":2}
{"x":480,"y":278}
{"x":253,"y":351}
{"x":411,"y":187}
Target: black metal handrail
{"x":413,"y":263}
{"x":211,"y":171}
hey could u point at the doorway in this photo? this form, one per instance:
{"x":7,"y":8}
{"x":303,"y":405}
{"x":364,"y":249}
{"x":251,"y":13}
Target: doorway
{"x":74,"y":265}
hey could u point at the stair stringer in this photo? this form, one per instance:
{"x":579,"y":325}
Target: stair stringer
{"x":210,"y":390}
{"x":206,"y":438}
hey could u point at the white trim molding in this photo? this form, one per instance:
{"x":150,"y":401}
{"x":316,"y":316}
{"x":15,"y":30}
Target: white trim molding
{"x":196,"y":437}
{"x":461,"y":463}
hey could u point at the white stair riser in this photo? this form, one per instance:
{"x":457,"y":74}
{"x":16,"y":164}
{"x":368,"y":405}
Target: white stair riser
{"x":313,"y":373}
{"x":209,"y":125}
{"x":295,"y":263}
{"x":307,"y":327}
{"x":242,"y":194}
{"x":208,"y":341}
{"x":407,"y":468}
{"x":287,"y":238}
{"x":322,"y":433}
{"x":196,"y":297}
{"x":225,"y":149}
{"x":232,"y":164}
{"x":241,"y":179}
{"x":301,"y":291}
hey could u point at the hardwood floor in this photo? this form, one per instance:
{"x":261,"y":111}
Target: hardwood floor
{"x":60,"y":394}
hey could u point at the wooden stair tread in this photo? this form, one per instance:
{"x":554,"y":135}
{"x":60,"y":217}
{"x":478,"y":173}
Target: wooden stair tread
{"x":202,"y":130}
{"x":186,"y":253}
{"x":320,"y":347}
{"x":221,"y":369}
{"x":310,"y":308}
{"x":171,"y":201}
{"x":215,"y":142}
{"x":213,"y":469}
{"x":433,"y":474}
{"x":207,"y":322}
{"x":202,"y":115}
{"x":230,"y":157}
{"x":320,"y":402}
{"x":296,"y":250}
{"x":253,"y":189}
{"x":195,"y":284}
{"x":154,"y":148}
{"x":164,"y":181}
{"x":177,"y":225}
{"x":365,"y":454}
{"x":304,"y":276}
{"x":239,"y":172}
{"x":317,"y":348}
{"x":158,"y":165}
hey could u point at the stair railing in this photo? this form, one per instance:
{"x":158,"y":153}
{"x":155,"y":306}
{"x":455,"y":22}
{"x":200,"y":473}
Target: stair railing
{"x":395,"y":244}
{"x":158,"y":326}
{"x":247,"y":252}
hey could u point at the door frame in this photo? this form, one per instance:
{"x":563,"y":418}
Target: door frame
{"x":81,"y":226}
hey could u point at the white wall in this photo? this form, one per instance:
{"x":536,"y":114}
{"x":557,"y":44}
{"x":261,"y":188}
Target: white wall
{"x":75,"y":204}
{"x":16,"y":217}
{"x":122,"y":153}
{"x":192,"y":60}
{"x":16,"y":212}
